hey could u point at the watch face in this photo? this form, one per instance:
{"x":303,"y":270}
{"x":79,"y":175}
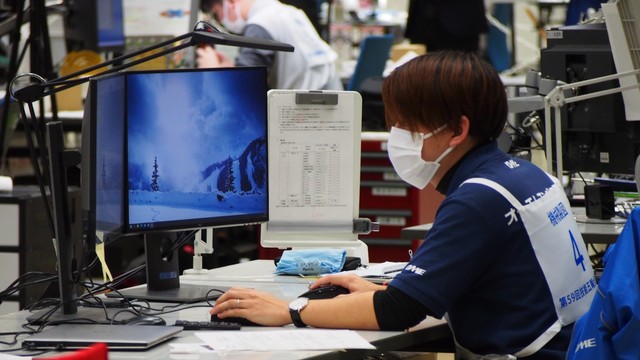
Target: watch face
{"x":298,"y":304}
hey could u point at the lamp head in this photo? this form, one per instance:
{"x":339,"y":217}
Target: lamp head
{"x":203,"y":36}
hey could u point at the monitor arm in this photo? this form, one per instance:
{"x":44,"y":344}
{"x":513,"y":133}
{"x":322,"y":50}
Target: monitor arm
{"x":563,"y":95}
{"x":200,"y":247}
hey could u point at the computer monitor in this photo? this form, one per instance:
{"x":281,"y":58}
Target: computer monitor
{"x":61,"y":159}
{"x":206,"y":131}
{"x":596,"y":136}
{"x":174,"y":150}
{"x":94,"y":25}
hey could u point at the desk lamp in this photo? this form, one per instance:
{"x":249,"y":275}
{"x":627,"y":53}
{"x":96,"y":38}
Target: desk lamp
{"x":61,"y":159}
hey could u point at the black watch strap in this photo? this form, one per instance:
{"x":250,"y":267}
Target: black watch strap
{"x":295,"y":307}
{"x":296,"y":318}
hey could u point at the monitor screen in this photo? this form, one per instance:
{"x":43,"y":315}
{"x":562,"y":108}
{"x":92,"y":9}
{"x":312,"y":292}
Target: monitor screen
{"x":171,"y":150}
{"x":196,"y":145}
{"x":176,"y":149}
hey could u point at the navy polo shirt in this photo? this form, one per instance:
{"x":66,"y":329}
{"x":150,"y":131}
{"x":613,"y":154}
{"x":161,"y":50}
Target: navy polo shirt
{"x":478,"y":269}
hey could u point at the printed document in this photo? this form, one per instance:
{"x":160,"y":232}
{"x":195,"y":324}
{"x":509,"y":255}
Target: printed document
{"x":311,"y":149}
{"x":288,"y":340}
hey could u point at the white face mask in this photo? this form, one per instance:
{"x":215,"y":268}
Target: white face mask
{"x":237,"y":26}
{"x":405,"y":153}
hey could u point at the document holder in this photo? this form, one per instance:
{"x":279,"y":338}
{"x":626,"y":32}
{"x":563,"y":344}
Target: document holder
{"x":314,"y":170}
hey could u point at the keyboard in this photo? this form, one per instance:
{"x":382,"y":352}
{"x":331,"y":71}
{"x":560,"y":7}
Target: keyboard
{"x":624,"y":208}
{"x":208,"y":325}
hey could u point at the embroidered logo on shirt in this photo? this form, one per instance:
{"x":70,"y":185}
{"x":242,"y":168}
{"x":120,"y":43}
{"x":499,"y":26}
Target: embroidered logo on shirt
{"x":511,"y":164}
{"x":585,"y":344}
{"x":415,"y":269}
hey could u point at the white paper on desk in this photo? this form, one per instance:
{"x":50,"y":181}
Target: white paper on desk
{"x":287,"y":340}
{"x":188,"y":348}
{"x":387,"y":268}
{"x":13,"y":357}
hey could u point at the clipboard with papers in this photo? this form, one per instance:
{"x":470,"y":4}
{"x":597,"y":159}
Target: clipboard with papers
{"x":314,"y":170}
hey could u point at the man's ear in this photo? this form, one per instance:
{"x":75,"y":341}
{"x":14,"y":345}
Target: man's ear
{"x":461,"y":132}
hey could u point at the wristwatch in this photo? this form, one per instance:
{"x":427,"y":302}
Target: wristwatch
{"x":295,"y":307}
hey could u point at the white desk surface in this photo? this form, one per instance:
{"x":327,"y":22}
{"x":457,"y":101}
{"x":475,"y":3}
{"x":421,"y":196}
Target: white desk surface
{"x":593,"y":231}
{"x":256,"y":274}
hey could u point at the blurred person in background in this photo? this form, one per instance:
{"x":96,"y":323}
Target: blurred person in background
{"x":311,"y":66}
{"x":447,"y":24}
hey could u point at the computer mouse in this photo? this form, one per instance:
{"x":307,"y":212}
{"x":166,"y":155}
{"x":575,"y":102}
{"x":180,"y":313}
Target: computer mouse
{"x":242,"y":321}
{"x":325,"y":292}
{"x":145,"y":320}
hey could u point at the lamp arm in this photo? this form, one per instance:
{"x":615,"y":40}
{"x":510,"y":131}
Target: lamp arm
{"x":37,"y":91}
{"x":562,"y":95}
{"x":68,"y":81}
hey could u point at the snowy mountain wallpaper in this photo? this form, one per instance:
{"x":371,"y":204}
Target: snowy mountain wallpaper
{"x":196,"y":145}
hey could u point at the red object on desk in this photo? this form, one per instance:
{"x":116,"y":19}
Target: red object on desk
{"x":97,"y":351}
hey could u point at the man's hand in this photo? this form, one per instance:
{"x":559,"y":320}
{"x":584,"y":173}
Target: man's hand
{"x":259,"y":307}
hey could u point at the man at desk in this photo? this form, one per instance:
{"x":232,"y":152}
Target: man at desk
{"x":504,"y":258}
{"x":312,"y":65}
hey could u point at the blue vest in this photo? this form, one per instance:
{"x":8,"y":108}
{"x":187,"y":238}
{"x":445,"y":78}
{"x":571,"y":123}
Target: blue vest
{"x":611,"y":327}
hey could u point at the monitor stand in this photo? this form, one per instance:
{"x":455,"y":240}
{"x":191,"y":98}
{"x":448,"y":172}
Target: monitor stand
{"x":69,"y":309}
{"x":163,"y":276}
{"x":163,"y":285}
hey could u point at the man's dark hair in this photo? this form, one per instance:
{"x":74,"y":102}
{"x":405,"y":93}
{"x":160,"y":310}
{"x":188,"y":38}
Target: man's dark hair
{"x":438,"y":88}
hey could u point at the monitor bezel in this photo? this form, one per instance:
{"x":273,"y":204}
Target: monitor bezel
{"x":90,"y":159}
{"x":180,"y":225}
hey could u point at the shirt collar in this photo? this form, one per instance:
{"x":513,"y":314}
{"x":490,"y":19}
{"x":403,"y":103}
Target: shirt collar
{"x":465,"y":166}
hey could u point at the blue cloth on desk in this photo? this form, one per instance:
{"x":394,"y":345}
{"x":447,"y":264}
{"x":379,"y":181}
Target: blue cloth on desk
{"x":311,"y":261}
